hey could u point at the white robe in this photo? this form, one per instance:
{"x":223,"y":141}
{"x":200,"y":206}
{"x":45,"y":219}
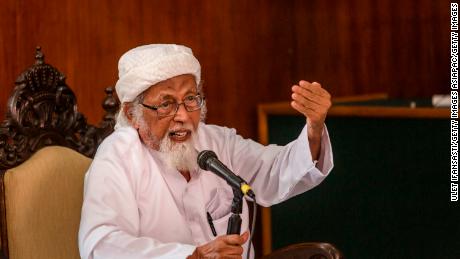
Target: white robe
{"x":135,"y":207}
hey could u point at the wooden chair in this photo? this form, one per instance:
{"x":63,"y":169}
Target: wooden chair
{"x":306,"y":251}
{"x":46,"y":147}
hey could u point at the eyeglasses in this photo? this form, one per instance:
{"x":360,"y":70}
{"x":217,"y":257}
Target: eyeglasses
{"x":170,"y":108}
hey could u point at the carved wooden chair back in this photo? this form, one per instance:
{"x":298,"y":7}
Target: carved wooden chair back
{"x":42,"y":191}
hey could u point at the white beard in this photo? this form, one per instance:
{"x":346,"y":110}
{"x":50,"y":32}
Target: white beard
{"x":181,"y":156}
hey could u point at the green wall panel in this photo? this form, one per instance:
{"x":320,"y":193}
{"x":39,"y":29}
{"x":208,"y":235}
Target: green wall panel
{"x":388,"y":195}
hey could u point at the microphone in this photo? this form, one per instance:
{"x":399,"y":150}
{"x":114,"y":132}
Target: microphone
{"x":207,"y":160}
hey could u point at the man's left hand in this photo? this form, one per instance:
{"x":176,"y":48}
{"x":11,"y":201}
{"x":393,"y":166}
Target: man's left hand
{"x":313,"y":101}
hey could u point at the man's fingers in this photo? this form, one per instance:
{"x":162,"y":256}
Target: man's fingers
{"x":311,"y":100}
{"x":314,"y":88}
{"x":227,"y":249}
{"x":235,"y":250}
{"x":227,"y":246}
{"x":318,"y":98}
{"x":306,"y":94}
{"x":308,"y":112}
{"x":234,"y":239}
{"x":231,"y":246}
{"x":245,"y":236}
{"x":307,"y":103}
{"x":315,"y":93}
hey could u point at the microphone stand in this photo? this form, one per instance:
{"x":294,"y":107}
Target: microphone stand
{"x":234,"y":222}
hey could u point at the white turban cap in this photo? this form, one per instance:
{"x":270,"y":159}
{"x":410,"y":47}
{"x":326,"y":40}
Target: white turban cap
{"x":144,"y":66}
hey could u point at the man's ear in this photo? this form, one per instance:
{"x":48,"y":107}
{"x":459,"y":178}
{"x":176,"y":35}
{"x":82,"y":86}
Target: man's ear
{"x":128,"y":110}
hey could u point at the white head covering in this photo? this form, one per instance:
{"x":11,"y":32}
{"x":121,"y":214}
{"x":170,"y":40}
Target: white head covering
{"x":144,"y":66}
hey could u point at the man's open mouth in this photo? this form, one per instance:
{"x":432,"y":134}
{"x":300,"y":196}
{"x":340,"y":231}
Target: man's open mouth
{"x":179,"y":135}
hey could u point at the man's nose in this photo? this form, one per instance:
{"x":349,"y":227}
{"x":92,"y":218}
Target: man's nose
{"x":182,"y":114}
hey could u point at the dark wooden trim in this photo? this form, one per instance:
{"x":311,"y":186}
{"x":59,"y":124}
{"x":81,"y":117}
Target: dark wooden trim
{"x":360,"y":98}
{"x":263,"y":111}
{"x":285,"y":107}
{"x":337,"y":110}
{"x":388,"y":112}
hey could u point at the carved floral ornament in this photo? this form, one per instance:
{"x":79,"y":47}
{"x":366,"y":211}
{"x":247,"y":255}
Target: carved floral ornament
{"x":42,"y":111}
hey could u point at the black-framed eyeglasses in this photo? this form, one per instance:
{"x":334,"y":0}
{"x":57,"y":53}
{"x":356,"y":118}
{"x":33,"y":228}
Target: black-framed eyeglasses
{"x":170,"y":107}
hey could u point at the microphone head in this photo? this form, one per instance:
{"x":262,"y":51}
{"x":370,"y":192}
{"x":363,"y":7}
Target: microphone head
{"x":203,"y":158}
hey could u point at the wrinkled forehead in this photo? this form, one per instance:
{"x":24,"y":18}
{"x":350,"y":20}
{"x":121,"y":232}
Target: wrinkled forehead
{"x":176,"y":87}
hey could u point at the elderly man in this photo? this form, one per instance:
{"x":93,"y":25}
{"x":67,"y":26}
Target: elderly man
{"x":145,"y":196}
